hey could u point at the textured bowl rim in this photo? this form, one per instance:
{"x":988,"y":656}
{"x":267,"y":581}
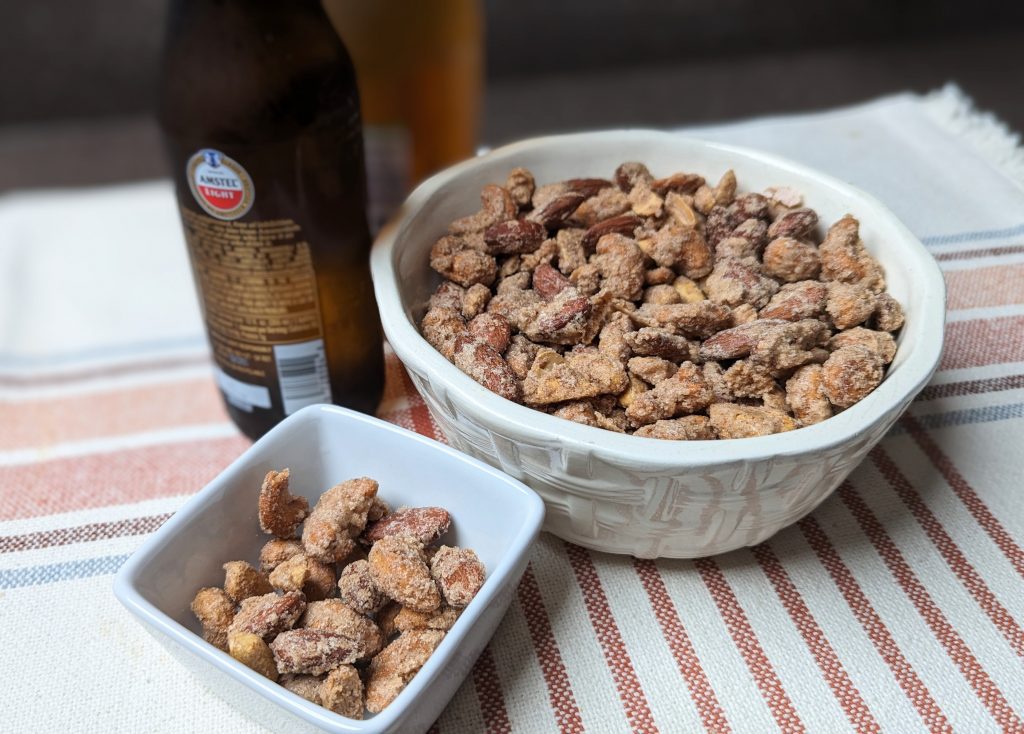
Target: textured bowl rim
{"x":655,"y":454}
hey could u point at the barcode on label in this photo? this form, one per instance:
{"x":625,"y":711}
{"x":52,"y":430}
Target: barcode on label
{"x":302,"y":374}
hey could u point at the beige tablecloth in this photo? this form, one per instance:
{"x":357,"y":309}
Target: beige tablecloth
{"x":897,"y":606}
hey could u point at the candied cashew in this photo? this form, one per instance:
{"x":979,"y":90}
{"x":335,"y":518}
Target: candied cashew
{"x":241,"y":581}
{"x":443,"y":619}
{"x":661,"y":294}
{"x":280,"y":512}
{"x":215,"y":610}
{"x":277,"y":551}
{"x":306,"y":686}
{"x":441,"y":327}
{"x":888,"y":315}
{"x":652,"y":370}
{"x":497,"y":206}
{"x":682,"y":249}
{"x":253,"y":652}
{"x":607,"y":203}
{"x":746,"y":379}
{"x":301,"y":573}
{"x":520,"y":186}
{"x":520,"y":355}
{"x":577,"y":411}
{"x":474,"y":300}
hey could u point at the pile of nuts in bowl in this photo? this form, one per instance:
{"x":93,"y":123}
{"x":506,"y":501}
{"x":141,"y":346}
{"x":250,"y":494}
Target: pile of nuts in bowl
{"x":662,"y":307}
{"x":352,"y":640}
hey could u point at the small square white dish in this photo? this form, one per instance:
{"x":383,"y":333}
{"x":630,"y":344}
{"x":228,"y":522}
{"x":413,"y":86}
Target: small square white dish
{"x":492,"y":513}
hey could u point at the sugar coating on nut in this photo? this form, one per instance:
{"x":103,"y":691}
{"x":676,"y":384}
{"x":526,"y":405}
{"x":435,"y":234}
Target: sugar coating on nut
{"x":241,"y":581}
{"x":338,"y":518}
{"x":332,"y":615}
{"x":805,"y":395}
{"x":342,"y":692}
{"x":443,"y":619}
{"x":306,"y":686}
{"x":850,"y":373}
{"x":357,"y":590}
{"x":276,"y":551}
{"x":396,"y":664}
{"x":458,"y":573}
{"x":591,"y":274}
{"x":687,"y":428}
{"x":426,"y":524}
{"x":253,"y":652}
{"x":280,"y":511}
{"x":269,"y":614}
{"x":399,"y":569}
{"x":215,"y":610}
{"x":312,"y":651}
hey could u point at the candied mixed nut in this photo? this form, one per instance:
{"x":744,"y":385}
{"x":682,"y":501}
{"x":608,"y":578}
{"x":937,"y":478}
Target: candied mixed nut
{"x":670,"y":308}
{"x":346,"y":613}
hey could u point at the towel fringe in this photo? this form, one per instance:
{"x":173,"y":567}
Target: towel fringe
{"x":989,"y":136}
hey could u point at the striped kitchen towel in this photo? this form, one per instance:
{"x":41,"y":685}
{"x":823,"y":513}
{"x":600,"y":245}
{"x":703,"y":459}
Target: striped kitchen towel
{"x":898,"y":605}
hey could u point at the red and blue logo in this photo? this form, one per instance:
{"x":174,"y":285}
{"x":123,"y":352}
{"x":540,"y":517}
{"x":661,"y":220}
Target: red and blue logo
{"x":220,"y":185}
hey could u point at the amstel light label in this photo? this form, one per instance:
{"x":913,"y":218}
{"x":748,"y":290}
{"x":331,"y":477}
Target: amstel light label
{"x":219,"y":184}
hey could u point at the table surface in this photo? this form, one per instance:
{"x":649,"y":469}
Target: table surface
{"x":898,"y":605}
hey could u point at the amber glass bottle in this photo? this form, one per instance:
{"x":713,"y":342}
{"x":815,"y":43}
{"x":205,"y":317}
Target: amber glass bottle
{"x":420,"y":70}
{"x":261,"y":118}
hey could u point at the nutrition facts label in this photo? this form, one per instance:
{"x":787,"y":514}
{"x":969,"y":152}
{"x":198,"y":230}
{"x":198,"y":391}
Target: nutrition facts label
{"x":258,"y":293}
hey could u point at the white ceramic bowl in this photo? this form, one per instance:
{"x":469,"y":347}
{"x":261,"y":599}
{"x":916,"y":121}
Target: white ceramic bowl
{"x":493,"y":514}
{"x":648,"y":497}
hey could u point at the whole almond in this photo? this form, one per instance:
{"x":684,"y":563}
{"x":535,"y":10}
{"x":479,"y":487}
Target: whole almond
{"x":514,"y":237}
{"x":556,"y":212}
{"x":426,"y":524}
{"x":312,"y":651}
{"x":548,"y":282}
{"x":683,"y":183}
{"x":623,"y":224}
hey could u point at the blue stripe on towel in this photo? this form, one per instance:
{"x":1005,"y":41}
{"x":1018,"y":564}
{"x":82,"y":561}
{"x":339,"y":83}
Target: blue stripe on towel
{"x":38,"y":575}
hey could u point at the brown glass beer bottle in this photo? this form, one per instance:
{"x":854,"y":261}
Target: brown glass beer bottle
{"x":260,"y":113}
